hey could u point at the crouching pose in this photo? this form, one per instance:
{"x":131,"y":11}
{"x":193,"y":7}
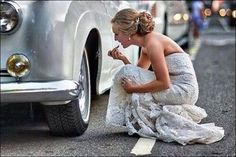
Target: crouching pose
{"x":159,"y":103}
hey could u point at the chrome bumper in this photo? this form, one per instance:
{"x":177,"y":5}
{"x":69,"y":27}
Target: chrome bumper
{"x":56,"y":91}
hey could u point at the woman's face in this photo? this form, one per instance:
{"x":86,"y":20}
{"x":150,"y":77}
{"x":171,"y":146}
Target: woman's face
{"x":120,"y":36}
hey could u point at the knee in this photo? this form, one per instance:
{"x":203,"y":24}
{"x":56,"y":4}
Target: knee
{"x":128,"y":67}
{"x":125,"y":71}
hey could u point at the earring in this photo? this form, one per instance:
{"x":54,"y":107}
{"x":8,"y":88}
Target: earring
{"x":129,"y":38}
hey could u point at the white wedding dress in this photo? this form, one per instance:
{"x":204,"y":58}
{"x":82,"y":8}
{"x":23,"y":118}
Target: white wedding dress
{"x":169,"y":115}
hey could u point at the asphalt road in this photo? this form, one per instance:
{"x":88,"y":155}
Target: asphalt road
{"x":215,"y":68}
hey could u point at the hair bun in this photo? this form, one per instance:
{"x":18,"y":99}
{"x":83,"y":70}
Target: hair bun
{"x":146,"y":23}
{"x":130,"y":21}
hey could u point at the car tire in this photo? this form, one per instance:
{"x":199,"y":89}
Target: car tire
{"x":72,"y":119}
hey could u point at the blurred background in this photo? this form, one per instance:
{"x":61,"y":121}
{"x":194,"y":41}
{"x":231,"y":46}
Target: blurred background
{"x":176,"y":19}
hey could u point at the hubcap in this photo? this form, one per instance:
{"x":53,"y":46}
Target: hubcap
{"x":84,"y":93}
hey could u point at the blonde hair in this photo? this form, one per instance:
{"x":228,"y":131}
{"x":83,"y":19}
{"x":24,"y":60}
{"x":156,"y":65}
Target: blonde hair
{"x":130,"y":22}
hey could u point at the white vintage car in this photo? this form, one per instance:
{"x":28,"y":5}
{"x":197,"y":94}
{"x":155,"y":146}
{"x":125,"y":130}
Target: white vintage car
{"x":55,"y":53}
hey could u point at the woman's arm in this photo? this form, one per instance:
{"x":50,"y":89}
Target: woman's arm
{"x":144,"y":61}
{"x":153,"y":86}
{"x":162,"y":81}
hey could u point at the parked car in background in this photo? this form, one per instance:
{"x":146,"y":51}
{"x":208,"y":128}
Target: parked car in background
{"x":177,"y":24}
{"x":156,"y":8}
{"x":55,"y":53}
{"x":171,"y":18}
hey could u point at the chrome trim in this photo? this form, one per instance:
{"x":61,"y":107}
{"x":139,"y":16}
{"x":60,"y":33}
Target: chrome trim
{"x":55,"y":102}
{"x":4,"y":73}
{"x":62,"y":91}
{"x":20,"y":16}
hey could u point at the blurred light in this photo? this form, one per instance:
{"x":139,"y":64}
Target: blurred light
{"x":177,"y":17}
{"x":207,"y":12}
{"x":222,"y":12}
{"x":234,"y":14}
{"x":185,"y":17}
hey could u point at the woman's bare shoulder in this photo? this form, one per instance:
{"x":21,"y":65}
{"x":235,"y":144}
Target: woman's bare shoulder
{"x":154,"y":39}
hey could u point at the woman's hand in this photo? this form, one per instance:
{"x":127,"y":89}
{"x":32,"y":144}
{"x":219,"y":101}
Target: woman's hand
{"x":128,"y":85}
{"x":116,"y":54}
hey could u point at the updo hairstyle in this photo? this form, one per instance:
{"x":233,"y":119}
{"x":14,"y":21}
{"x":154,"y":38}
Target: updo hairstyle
{"x":130,"y":22}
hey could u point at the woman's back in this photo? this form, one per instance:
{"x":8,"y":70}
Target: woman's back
{"x":169,"y":46}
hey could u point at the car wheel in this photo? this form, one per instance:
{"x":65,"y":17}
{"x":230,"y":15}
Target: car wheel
{"x":72,"y":119}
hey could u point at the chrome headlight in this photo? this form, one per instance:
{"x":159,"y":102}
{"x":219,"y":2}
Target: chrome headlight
{"x":11,"y":17}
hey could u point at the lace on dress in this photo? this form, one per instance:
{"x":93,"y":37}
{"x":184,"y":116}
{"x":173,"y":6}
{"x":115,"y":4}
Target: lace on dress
{"x":169,"y":115}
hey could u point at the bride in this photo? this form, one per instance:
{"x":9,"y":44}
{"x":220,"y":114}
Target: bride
{"x":159,"y":103}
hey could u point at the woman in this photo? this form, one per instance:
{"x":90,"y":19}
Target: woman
{"x":159,"y":103}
